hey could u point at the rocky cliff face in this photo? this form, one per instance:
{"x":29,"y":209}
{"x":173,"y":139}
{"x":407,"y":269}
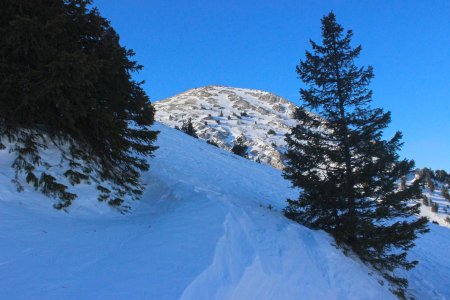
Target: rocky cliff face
{"x":222,"y":114}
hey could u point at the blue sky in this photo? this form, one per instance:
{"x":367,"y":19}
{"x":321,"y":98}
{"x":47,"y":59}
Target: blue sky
{"x":257,"y":44}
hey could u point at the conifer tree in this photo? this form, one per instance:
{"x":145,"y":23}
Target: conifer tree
{"x":427,"y":178}
{"x":188,"y":128}
{"x":434,"y":207}
{"x":403,"y":183}
{"x":441,"y":175}
{"x":430,"y":185}
{"x":271,"y":132}
{"x":347,"y":173}
{"x":445,"y":193}
{"x":212,"y":142}
{"x":239,"y":147}
{"x":64,"y":77}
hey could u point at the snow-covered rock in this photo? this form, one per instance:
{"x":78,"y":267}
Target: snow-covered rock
{"x":222,"y":114}
{"x":209,"y":226}
{"x":442,"y":215}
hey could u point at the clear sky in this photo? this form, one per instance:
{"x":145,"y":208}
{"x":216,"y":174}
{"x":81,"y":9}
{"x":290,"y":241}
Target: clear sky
{"x":257,"y":44}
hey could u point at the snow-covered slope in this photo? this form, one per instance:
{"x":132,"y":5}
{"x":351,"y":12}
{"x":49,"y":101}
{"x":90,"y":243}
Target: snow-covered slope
{"x":216,"y":111}
{"x":442,"y":215}
{"x":221,"y":114}
{"x":209,"y":226}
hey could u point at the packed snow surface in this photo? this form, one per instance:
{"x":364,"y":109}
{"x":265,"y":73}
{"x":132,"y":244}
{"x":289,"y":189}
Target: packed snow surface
{"x":209,"y":226}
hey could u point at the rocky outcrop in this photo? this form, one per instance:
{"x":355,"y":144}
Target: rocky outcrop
{"x":221,"y":114}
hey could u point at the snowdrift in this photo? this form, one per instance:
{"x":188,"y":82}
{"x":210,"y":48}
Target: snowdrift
{"x":209,"y":226}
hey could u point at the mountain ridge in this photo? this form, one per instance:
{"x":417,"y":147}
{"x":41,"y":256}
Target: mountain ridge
{"x":221,"y":114}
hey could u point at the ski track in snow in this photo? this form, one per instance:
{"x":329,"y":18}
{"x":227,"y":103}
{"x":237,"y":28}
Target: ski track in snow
{"x":203,"y":230}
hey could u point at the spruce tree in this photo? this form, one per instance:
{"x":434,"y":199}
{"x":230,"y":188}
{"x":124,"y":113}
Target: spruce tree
{"x":65,"y":78}
{"x":271,"y":132}
{"x":239,"y":147}
{"x":188,"y":128}
{"x":403,"y":183}
{"x":430,"y":185}
{"x":427,"y":178}
{"x":348,"y":175}
{"x":441,"y":175}
{"x":212,"y":142}
{"x":445,"y":193}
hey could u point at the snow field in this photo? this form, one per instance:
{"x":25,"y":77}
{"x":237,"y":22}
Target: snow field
{"x":209,"y":226}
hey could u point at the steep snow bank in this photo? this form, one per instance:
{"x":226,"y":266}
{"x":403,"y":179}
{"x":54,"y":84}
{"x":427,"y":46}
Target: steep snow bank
{"x":208,"y":227}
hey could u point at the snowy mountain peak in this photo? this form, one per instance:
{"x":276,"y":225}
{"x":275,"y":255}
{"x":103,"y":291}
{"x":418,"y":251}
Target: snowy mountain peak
{"x":222,"y":114}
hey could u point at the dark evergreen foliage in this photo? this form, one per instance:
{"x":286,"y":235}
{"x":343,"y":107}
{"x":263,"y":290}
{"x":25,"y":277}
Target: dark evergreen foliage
{"x":212,"y":142}
{"x":403,"y":183}
{"x":445,"y":193}
{"x":442,"y":176}
{"x":430,"y":185}
{"x":65,"y":77}
{"x":349,"y":175}
{"x":239,"y":147}
{"x":434,"y":207}
{"x":188,"y":128}
{"x":427,"y":173}
{"x":271,"y":132}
